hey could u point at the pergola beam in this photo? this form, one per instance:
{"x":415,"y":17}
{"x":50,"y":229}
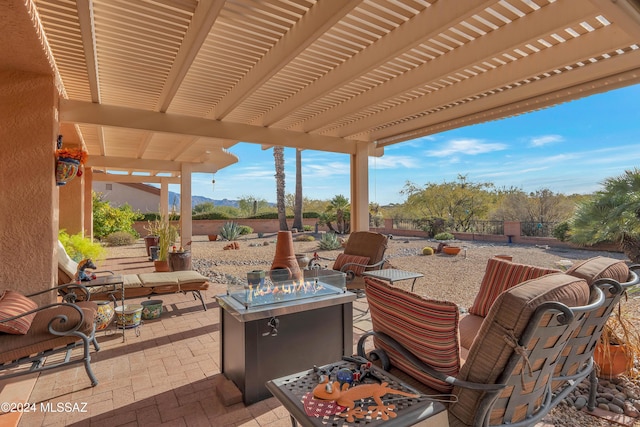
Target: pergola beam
{"x":605,"y":40}
{"x":435,"y":19}
{"x":320,"y":17}
{"x":130,"y":118}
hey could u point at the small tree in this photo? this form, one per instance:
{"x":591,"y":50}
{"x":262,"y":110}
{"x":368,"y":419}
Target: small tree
{"x":107,"y":219}
{"x":612,"y":215}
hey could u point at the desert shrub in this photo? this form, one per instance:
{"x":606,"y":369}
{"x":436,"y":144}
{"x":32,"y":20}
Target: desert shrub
{"x":230,"y":231}
{"x":245,"y":229}
{"x":307,"y":228}
{"x":305,"y":238}
{"x":108,"y":219}
{"x":329,"y":242}
{"x":211,"y":215}
{"x":444,"y":236}
{"x":120,"y":238}
{"x":79,"y":247}
{"x":562,"y":231}
{"x":427,"y":250}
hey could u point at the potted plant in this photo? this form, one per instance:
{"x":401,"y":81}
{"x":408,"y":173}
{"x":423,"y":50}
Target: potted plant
{"x":167,"y":236}
{"x":68,"y":162}
{"x":619,"y":345}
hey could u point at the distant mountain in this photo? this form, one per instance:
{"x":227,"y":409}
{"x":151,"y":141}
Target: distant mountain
{"x":174,"y":200}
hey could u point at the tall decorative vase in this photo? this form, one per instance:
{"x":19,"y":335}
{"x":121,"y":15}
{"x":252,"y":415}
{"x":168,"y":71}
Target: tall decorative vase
{"x":285,"y":257}
{"x":66,"y":169}
{"x":104,"y":315}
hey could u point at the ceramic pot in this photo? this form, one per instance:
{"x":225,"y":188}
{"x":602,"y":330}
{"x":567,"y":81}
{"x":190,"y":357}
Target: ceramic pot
{"x":151,"y":309}
{"x":212,"y":237}
{"x":150,"y":241}
{"x":66,"y":169}
{"x":161,"y":265}
{"x":451,"y":250}
{"x":612,"y":362}
{"x":180,"y":261}
{"x":303,"y":260}
{"x":104,"y":315}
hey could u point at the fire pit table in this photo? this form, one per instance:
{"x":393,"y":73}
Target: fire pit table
{"x":279,"y":326}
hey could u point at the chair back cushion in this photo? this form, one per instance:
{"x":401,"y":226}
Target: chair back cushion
{"x":367,"y":244}
{"x":425,"y":327}
{"x":600,"y":267}
{"x":66,"y":266}
{"x":508,"y":317}
{"x":499,"y":276}
{"x":14,"y":304}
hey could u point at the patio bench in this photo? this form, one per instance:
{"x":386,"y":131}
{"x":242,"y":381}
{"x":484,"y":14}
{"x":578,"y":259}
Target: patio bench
{"x":29,"y":333}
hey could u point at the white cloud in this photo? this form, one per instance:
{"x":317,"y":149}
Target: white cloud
{"x":323,"y":170}
{"x":539,"y":141}
{"x":466,"y":146}
{"x":393,"y":162}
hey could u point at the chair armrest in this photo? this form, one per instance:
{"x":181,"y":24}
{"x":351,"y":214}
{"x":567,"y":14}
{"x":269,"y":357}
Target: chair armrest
{"x":347,"y":268}
{"x":428,"y":369}
{"x":56,"y":319}
{"x":68,"y":291}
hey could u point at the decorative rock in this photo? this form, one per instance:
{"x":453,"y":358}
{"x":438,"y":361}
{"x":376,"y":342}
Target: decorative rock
{"x":607,"y":396}
{"x":617,"y":402}
{"x":603,"y":406}
{"x":615,"y":408}
{"x":580,"y":403}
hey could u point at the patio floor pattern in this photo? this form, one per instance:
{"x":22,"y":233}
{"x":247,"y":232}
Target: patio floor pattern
{"x":166,"y":376}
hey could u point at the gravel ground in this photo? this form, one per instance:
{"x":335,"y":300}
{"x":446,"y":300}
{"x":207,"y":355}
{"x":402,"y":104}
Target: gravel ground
{"x":451,"y":278}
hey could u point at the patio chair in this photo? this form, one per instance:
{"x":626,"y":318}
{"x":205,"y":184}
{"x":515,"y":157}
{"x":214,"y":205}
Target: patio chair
{"x":29,"y":333}
{"x":364,"y":251}
{"x":506,"y":377}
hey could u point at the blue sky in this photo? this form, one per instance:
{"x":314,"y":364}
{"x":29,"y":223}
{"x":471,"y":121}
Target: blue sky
{"x":568,"y":149}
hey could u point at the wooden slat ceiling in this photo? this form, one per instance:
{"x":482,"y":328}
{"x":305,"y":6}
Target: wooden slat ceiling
{"x":182,"y":80}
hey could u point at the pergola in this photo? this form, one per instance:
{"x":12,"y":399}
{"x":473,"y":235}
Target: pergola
{"x":159,"y":89}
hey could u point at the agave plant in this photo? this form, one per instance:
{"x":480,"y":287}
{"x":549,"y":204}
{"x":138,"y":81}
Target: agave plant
{"x":329,"y":242}
{"x":230,"y":231}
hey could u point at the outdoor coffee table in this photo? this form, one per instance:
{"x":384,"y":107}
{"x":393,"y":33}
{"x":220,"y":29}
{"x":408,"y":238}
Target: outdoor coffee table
{"x":292,"y":389}
{"x":393,"y":275}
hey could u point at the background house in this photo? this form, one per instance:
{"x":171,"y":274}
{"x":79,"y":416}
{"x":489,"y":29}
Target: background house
{"x":141,"y":197}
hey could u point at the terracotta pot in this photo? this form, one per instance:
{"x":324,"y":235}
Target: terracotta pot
{"x":614,"y":363}
{"x":451,"y":250}
{"x":285,"y":257}
{"x":161,"y":265}
{"x":212,"y":237}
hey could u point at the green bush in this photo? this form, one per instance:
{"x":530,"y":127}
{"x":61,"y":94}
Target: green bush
{"x":329,"y":242}
{"x":79,"y":247}
{"x":307,"y":228}
{"x":265,"y":215}
{"x":444,"y":236}
{"x":211,"y":215}
{"x":245,"y":229}
{"x":230,"y":231}
{"x":310,"y":215}
{"x":120,"y":238}
{"x":107,"y":219}
{"x":427,"y":250}
{"x":305,"y":238}
{"x":562,"y":231}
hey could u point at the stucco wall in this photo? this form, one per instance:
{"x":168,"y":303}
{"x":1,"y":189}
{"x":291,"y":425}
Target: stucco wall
{"x":119,"y":194}
{"x":29,"y":203}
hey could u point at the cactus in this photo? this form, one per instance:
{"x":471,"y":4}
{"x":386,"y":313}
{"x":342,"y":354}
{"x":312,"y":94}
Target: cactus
{"x":230,"y":231}
{"x":427,"y":250}
{"x":329,"y":242}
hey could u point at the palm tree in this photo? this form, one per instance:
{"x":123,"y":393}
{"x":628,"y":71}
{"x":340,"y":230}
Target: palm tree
{"x":297,"y":209}
{"x":339,"y":206}
{"x":278,"y":155}
{"x":612,"y":215}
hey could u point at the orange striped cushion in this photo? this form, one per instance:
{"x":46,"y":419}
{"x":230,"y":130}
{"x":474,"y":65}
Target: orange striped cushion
{"x":346,"y":259}
{"x":427,"y":328}
{"x":13,"y":304}
{"x":499,"y":276}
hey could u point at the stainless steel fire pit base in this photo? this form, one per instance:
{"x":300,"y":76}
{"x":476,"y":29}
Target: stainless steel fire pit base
{"x":260,"y":344}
